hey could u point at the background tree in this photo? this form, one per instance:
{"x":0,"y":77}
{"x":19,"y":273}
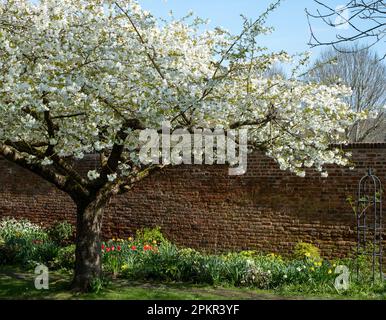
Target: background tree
{"x":361,"y":70}
{"x":365,"y":19}
{"x":80,"y":77}
{"x":275,"y":70}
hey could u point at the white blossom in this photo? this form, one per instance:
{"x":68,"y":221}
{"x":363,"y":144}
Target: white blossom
{"x":46,"y":162}
{"x":93,"y":174}
{"x":83,"y":64}
{"x":112,"y":177}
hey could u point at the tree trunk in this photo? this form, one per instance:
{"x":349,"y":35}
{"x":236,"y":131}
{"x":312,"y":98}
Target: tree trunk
{"x":88,"y":264}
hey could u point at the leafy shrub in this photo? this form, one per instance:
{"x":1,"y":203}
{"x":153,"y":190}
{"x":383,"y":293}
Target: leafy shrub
{"x":24,"y":252}
{"x":150,"y":235}
{"x":169,"y":263}
{"x":162,"y":264}
{"x":306,"y":251}
{"x":254,"y":276}
{"x":275,"y":266}
{"x":25,"y":243}
{"x":248,"y":253}
{"x":97,"y":284}
{"x":190,"y":264}
{"x":61,"y":232}
{"x":151,"y":257}
{"x":45,"y":252}
{"x":113,"y":256}
{"x":6,"y":253}
{"x":12,"y":228}
{"x":65,"y":258}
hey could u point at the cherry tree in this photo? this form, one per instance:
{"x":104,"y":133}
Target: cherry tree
{"x":85,"y":77}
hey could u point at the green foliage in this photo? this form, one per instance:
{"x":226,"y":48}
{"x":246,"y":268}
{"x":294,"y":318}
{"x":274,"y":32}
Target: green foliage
{"x":248,"y":253}
{"x":6,"y":253}
{"x":25,"y":243}
{"x":112,"y":261}
{"x":150,"y":235}
{"x":45,"y":252}
{"x":151,"y":257}
{"x":306,"y":251}
{"x":255,"y":276}
{"x":98,"y":284}
{"x":22,"y":229}
{"x":61,"y":232}
{"x":65,"y":258}
{"x":117,"y":253}
{"x":162,"y":264}
{"x":169,"y":263}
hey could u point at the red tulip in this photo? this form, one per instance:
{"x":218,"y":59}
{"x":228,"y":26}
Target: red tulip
{"x":119,"y":248}
{"x":133,"y":248}
{"x":107,"y":249}
{"x":103,"y":246}
{"x":112,"y":248}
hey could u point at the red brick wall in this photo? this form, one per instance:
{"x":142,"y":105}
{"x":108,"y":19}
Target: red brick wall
{"x":202,"y":207}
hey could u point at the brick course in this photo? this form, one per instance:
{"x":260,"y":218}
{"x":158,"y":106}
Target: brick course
{"x":202,"y":207}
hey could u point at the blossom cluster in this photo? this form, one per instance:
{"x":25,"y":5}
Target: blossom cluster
{"x":73,"y":72}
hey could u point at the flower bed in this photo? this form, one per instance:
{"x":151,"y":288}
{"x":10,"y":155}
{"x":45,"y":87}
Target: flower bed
{"x":148,"y":256}
{"x":25,"y":244}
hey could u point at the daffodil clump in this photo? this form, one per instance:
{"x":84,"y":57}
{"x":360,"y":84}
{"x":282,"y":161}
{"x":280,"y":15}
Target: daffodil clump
{"x":25,"y":243}
{"x":137,"y":259}
{"x":147,"y":255}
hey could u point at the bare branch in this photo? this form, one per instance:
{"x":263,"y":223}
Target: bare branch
{"x":361,"y":70}
{"x":365,"y":18}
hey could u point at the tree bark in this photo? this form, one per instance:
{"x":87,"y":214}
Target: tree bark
{"x":88,"y":264}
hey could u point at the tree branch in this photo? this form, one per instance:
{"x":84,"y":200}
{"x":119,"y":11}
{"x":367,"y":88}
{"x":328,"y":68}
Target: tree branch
{"x":45,"y":172}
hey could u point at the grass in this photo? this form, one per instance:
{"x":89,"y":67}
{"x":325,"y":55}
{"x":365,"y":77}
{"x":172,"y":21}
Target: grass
{"x":356,"y":291}
{"x":19,"y":284}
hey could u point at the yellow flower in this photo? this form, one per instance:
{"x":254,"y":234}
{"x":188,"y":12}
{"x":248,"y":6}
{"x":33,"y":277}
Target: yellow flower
{"x":154,"y":241}
{"x":130,"y":239}
{"x":113,"y":239}
{"x":312,"y":269}
{"x":307,"y":254}
{"x":329,"y":271}
{"x":317,"y":263}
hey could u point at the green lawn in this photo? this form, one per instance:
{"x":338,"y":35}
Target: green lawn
{"x":18,"y":284}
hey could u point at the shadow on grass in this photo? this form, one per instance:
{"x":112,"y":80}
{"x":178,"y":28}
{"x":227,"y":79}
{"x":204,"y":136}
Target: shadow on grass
{"x":16,"y":283}
{"x":19,"y":284}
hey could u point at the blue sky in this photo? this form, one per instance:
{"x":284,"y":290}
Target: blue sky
{"x":289,"y":20}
